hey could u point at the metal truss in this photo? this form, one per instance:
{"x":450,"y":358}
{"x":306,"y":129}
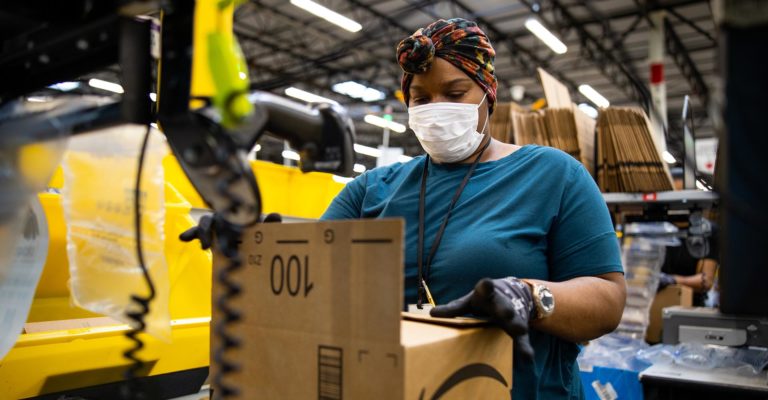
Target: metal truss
{"x":613,"y":68}
{"x":309,"y":67}
{"x":520,"y":55}
{"x":676,"y":49}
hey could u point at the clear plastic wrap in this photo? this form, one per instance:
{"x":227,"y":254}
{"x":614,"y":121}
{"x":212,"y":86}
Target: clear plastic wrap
{"x":24,"y":270}
{"x":613,"y":351}
{"x":26,"y":165}
{"x":643,"y":252}
{"x":741,"y":361}
{"x":98,"y":199}
{"x":621,"y":352}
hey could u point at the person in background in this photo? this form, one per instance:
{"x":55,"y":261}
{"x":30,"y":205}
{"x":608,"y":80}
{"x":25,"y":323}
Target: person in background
{"x":520,"y":235}
{"x":696,"y":271}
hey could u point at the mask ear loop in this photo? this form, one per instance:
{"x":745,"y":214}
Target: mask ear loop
{"x":487,"y":115}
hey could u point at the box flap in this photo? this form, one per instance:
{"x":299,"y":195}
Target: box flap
{"x":340,"y":278}
{"x":455,"y":322}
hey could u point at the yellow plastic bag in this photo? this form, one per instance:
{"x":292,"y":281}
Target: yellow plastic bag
{"x":98,"y":199}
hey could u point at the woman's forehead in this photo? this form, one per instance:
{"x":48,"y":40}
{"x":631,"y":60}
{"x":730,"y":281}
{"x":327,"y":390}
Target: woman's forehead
{"x":441,"y":75}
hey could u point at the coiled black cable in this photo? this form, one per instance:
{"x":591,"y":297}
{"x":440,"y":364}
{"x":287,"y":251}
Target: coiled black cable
{"x":137,"y":315}
{"x":228,"y":237}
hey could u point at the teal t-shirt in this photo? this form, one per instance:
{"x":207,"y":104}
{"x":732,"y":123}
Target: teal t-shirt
{"x":535,"y":213}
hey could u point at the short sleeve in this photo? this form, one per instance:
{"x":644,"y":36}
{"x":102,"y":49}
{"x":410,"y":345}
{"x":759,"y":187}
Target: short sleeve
{"x":348,"y":203}
{"x":582,"y":241}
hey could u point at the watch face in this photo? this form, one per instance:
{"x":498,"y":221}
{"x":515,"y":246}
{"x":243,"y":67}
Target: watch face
{"x":547,"y":300}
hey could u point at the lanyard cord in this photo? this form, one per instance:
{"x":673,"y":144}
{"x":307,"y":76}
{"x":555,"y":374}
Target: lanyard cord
{"x":422,"y":269}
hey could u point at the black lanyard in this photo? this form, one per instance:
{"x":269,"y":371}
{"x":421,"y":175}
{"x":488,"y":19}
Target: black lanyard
{"x":439,"y":236}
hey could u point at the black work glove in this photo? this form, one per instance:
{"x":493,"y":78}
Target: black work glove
{"x":507,"y":302}
{"x":666,"y":280}
{"x":207,"y":225}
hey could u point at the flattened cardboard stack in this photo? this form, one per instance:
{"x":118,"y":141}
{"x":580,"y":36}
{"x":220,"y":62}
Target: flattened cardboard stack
{"x":567,"y":129}
{"x":562,"y":125}
{"x":501,"y":121}
{"x":529,"y":128}
{"x":321,"y":319}
{"x":554,"y":91}
{"x":561,"y":129}
{"x":628,"y":156}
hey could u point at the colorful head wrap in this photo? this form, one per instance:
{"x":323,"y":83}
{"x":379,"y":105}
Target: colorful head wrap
{"x":458,"y":41}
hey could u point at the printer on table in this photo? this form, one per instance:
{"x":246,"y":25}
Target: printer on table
{"x":709,"y":326}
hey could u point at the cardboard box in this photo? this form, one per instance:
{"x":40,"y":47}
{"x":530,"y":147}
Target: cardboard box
{"x":672,"y":295}
{"x":321,"y":319}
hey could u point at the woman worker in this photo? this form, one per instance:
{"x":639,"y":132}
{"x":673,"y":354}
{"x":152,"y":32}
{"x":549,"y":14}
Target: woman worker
{"x":523,"y":230}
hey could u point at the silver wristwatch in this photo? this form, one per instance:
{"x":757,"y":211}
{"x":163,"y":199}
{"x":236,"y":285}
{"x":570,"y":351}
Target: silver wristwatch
{"x":543,"y":299}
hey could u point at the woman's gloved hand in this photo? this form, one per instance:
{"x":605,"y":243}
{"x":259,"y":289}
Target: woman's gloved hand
{"x":507,"y":302}
{"x":207,"y":225}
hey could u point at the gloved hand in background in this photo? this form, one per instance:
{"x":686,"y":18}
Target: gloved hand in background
{"x":507,"y":302}
{"x":666,"y":280}
{"x":207,"y":225}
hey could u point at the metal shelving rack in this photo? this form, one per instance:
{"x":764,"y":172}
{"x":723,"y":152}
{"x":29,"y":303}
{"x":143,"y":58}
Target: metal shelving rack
{"x":670,"y":200}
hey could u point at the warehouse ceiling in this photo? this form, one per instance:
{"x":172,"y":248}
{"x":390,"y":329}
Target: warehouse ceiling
{"x":607,"y":41}
{"x":607,"y":47}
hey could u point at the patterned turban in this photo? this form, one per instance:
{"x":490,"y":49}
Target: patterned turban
{"x":458,"y":41}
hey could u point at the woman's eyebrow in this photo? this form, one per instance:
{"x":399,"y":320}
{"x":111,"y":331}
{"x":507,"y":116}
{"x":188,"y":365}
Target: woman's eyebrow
{"x":456,"y":82}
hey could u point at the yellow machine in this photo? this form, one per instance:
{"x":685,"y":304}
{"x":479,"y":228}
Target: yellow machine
{"x":57,"y":360}
{"x":68,"y":347}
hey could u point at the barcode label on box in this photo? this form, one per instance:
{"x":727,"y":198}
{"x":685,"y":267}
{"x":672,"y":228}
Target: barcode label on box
{"x":329,"y":373}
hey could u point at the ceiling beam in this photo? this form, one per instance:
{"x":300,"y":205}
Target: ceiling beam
{"x":526,"y":58}
{"x":676,"y":49}
{"x":613,"y":69}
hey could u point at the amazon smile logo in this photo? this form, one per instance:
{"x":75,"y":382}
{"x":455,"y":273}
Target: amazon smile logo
{"x":466,"y":373}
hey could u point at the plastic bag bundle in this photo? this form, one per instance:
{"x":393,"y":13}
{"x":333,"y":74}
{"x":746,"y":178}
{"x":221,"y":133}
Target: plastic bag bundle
{"x":643,"y":254}
{"x":24,"y":270}
{"x":613,"y":351}
{"x":98,"y":198}
{"x":26,"y":166}
{"x":739,"y":361}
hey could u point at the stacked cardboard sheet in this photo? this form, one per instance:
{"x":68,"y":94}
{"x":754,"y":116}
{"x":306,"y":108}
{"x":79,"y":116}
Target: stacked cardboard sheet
{"x":561,"y":130}
{"x":529,"y":128}
{"x":629,"y":159}
{"x":501,"y":121}
{"x":567,"y":129}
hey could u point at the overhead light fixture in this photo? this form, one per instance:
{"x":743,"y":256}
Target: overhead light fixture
{"x":593,"y":96}
{"x":383,"y":123}
{"x":291,"y":155}
{"x":65,"y":86}
{"x":341,"y":179}
{"x":359,"y":91}
{"x":668,"y":157}
{"x":303,"y":95}
{"x":153,"y":97}
{"x":359,"y":168}
{"x":328,"y":15}
{"x":38,"y":99}
{"x":368,"y":151}
{"x":589,"y":110}
{"x":104,"y":85}
{"x":541,"y":32}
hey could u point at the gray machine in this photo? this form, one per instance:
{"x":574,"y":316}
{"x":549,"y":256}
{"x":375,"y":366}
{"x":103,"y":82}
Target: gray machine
{"x":709,"y":326}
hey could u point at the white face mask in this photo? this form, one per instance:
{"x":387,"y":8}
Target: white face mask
{"x":447,"y":131}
